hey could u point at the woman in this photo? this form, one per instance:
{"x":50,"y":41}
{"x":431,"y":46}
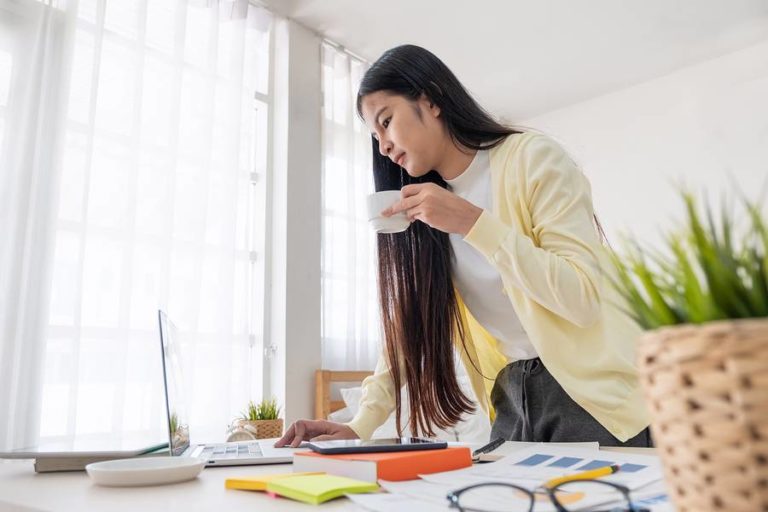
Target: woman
{"x":503,"y":261}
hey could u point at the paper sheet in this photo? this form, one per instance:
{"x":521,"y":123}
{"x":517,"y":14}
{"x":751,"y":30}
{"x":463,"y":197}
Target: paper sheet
{"x":420,"y":489}
{"x":511,"y":447}
{"x":653,"y":497}
{"x":534,"y":465}
{"x":435,"y":495}
{"x":426,"y":496}
{"x":384,"y":502}
{"x":527,"y":465}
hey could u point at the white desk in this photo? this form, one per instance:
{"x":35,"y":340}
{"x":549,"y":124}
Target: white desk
{"x":21,"y":489}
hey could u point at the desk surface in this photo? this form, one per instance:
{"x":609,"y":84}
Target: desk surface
{"x":21,"y":489}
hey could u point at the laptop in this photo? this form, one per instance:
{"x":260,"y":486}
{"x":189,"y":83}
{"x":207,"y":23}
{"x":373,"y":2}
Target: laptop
{"x":239,"y":453}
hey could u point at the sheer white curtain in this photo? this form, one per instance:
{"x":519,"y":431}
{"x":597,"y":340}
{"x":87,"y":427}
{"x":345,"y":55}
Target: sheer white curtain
{"x":35,"y":50}
{"x":350,"y":318}
{"x":133,"y":140}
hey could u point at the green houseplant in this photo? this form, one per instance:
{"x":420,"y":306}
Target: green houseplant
{"x":703,"y":360}
{"x":259,"y":421}
{"x":264,"y":410}
{"x":179,"y":434}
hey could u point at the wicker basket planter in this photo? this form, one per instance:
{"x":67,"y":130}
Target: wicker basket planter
{"x":267,"y":428}
{"x":258,"y":429}
{"x":707,"y":391}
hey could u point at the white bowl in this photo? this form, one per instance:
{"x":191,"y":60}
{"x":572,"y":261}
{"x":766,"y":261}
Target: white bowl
{"x":144,"y":471}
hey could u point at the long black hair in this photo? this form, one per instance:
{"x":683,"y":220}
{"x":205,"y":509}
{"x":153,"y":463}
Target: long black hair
{"x":419,"y":308}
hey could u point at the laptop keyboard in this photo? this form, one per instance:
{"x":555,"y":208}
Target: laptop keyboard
{"x":232,"y":450}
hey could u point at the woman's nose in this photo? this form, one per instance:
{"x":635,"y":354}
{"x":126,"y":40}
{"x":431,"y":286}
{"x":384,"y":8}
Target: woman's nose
{"x":385,"y":147}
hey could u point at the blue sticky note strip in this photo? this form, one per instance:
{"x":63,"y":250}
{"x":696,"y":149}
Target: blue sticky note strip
{"x":631,"y":468}
{"x":564,"y":462}
{"x":595,"y":464}
{"x":534,"y":460}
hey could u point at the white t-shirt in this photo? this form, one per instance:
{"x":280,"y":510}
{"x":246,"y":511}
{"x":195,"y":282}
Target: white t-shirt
{"x":478,"y":282}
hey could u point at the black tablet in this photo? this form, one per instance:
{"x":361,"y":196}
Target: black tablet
{"x":395,"y":444}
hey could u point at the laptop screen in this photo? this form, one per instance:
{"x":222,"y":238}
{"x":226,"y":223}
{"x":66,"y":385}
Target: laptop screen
{"x":178,"y":426}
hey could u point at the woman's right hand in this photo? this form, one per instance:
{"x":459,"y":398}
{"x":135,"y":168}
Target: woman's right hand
{"x":314,"y":430}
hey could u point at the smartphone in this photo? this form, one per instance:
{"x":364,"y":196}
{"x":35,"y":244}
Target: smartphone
{"x":395,"y":444}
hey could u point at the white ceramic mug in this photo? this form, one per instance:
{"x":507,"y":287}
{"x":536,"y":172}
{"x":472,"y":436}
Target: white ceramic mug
{"x":379,"y":201}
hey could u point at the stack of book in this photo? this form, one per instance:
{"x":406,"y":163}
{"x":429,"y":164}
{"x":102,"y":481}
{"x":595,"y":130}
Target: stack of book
{"x":392,"y":466}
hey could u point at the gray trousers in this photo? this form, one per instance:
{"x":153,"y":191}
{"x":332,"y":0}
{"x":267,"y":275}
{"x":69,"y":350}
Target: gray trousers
{"x":532,"y":406}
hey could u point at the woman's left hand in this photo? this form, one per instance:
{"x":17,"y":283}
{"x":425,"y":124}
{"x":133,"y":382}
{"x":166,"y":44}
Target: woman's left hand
{"x":436,"y":207}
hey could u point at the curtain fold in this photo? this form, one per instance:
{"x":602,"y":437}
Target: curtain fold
{"x":39,"y":48}
{"x":350,"y":316}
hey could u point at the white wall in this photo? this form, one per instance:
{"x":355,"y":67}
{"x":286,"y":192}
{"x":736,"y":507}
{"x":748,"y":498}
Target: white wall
{"x":293,"y":266}
{"x":704,"y":125}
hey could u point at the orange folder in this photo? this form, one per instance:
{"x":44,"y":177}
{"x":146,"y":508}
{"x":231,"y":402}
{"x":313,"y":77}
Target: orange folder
{"x":393,"y":466}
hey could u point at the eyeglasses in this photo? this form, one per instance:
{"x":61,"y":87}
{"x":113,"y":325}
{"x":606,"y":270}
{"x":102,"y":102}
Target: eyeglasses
{"x":567,"y":496}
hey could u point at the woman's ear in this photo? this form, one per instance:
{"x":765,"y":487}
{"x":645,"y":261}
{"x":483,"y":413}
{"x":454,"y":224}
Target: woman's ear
{"x":429,"y":105}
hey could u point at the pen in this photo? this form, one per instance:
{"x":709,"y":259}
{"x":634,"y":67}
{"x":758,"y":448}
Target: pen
{"x":584,"y":475}
{"x":489,"y":447}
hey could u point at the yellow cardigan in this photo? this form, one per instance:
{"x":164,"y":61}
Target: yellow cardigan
{"x":541,"y":238}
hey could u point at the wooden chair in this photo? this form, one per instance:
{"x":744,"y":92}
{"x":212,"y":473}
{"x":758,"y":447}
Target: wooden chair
{"x":323,"y":379}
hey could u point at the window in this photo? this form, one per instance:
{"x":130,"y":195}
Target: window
{"x":161,"y":205}
{"x":350,"y":316}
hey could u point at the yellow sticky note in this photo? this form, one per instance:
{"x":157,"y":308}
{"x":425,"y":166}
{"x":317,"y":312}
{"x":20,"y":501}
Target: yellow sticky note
{"x":316,"y":489}
{"x":259,"y":482}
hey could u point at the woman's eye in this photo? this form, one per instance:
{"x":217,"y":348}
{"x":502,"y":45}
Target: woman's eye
{"x":386,"y":122}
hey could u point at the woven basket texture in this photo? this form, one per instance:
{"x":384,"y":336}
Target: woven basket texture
{"x":707,"y":391}
{"x":266,"y":429}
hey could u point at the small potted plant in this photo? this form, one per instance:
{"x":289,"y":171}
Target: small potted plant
{"x":258,"y":421}
{"x":703,"y":360}
{"x":179,"y":435}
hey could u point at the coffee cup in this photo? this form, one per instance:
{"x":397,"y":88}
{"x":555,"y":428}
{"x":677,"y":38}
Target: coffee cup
{"x":379,"y":201}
